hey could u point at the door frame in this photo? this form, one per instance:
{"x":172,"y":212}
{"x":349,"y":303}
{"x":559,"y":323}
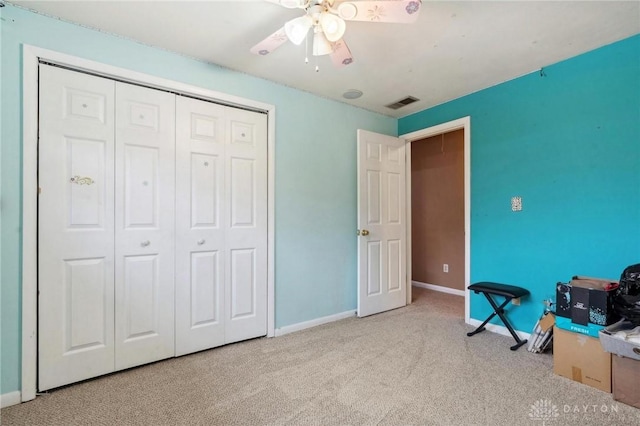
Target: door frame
{"x":461,"y":123}
{"x":32,"y":56}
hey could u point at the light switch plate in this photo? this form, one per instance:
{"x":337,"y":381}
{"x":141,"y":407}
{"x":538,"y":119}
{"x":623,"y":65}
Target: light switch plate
{"x":516,"y":204}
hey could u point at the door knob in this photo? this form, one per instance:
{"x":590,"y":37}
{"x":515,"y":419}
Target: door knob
{"x":200,"y":242}
{"x":364,"y":232}
{"x":145,"y":243}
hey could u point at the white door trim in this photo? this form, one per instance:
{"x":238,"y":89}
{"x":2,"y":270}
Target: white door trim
{"x":31,"y":56}
{"x":461,"y":123}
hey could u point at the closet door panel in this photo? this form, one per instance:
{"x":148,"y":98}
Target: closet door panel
{"x":246,"y":226}
{"x":144,"y":225}
{"x":141,"y":286}
{"x":200,"y":220}
{"x":205,"y":288}
{"x":75,"y":227}
{"x":141,"y":186}
{"x":204,"y":191}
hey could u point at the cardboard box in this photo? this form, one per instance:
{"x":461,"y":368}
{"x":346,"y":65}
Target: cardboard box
{"x":586,"y":300}
{"x":589,"y":329}
{"x":621,"y":339}
{"x":626,"y":380}
{"x":547,"y":321}
{"x":581,"y":358}
{"x":542,"y":337}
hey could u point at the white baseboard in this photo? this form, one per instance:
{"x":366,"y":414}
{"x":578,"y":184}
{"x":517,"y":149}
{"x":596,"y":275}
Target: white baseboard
{"x":318,"y":321}
{"x":500,"y":329}
{"x":11,"y":398}
{"x":439,"y":288}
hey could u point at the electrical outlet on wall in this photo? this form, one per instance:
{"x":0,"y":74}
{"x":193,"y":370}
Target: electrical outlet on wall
{"x":445,"y":267}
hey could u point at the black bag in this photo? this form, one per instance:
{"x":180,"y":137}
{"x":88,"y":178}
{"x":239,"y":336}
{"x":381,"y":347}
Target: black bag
{"x":628,"y":307}
{"x":626,"y":301}
{"x":630,"y":280}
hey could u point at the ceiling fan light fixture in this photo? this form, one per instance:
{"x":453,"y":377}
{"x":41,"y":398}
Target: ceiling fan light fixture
{"x":321,"y":46}
{"x":333,"y":26}
{"x":297,"y":29}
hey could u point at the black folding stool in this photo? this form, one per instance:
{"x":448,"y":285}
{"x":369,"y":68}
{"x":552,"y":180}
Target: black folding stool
{"x":509,"y":292}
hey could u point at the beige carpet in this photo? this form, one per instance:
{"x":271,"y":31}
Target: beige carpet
{"x":411,"y":366}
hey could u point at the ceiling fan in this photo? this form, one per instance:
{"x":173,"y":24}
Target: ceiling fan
{"x":327,"y":20}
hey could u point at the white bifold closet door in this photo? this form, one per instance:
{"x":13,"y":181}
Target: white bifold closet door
{"x":106,"y":226}
{"x":221,"y":225}
{"x":152,"y":226}
{"x":75,"y":227}
{"x":144,"y":219}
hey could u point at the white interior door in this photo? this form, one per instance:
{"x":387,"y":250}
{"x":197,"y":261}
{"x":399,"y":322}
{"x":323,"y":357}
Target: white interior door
{"x":200,"y":225}
{"x":246,"y":227}
{"x":75,"y":227}
{"x":381,"y":223}
{"x":144,"y":225}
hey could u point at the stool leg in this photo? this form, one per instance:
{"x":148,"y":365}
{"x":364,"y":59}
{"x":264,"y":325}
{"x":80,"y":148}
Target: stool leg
{"x":517,"y":345}
{"x":500,"y":311}
{"x":496,"y":311}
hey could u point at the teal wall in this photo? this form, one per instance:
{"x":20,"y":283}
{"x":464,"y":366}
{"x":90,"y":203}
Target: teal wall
{"x":315,"y":246}
{"x":569,"y":144}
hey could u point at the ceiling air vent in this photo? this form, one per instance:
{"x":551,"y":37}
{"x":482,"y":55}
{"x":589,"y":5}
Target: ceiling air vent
{"x":402,"y":102}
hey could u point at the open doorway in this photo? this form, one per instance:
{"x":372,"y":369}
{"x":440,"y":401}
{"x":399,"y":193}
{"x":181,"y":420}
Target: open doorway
{"x":437,"y":215}
{"x":437,"y":212}
{"x":449,"y":142}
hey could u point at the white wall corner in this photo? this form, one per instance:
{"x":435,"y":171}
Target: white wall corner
{"x":313,"y":323}
{"x":9,"y":399}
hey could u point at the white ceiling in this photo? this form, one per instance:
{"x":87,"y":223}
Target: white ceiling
{"x":455,"y":48}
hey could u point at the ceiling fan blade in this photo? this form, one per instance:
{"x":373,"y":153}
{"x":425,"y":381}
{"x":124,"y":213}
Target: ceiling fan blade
{"x":270,"y":43}
{"x":341,"y":55}
{"x":291,"y":4}
{"x":401,"y":11}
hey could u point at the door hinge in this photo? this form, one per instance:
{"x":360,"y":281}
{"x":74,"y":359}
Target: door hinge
{"x":39,"y":190}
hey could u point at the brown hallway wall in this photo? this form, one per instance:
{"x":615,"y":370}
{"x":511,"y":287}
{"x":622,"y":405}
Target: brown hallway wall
{"x":437,"y":204}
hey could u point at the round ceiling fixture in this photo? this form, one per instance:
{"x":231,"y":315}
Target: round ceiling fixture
{"x":348,"y":10}
{"x":352,"y":94}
